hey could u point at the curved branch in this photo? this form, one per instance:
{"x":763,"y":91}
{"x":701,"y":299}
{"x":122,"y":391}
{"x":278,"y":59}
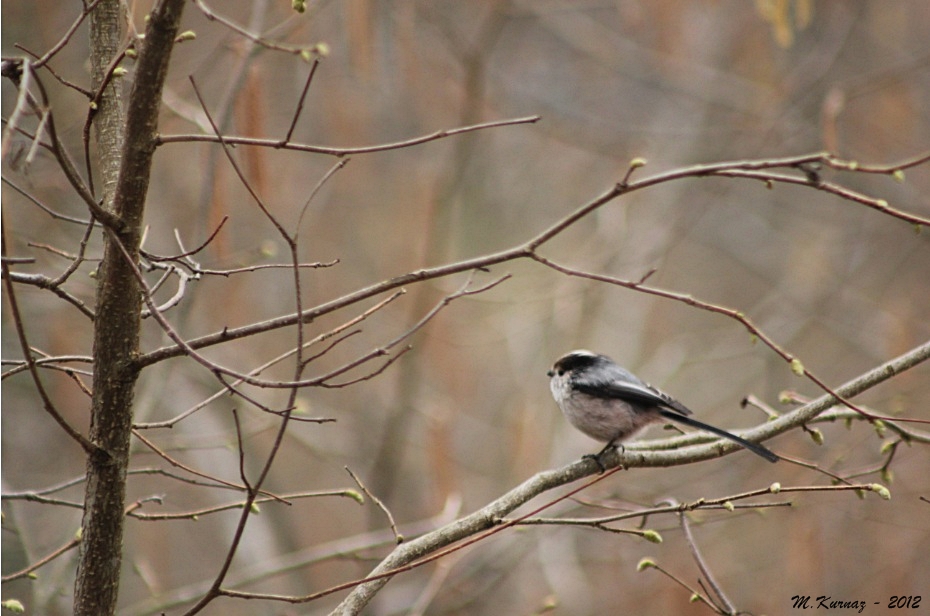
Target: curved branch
{"x":525,"y":250}
{"x":635,"y":455}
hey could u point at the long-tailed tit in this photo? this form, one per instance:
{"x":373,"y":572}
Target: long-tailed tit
{"x":610,"y":404}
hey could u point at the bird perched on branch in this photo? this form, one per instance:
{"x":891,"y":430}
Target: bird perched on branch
{"x":610,"y":404}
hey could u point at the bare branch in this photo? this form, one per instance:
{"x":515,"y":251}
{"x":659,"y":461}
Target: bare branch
{"x":64,"y":549}
{"x":284,"y":498}
{"x":300,"y":101}
{"x":187,"y":253}
{"x":232,"y":161}
{"x":333,"y":151}
{"x":339,"y":165}
{"x":387,"y":512}
{"x":212,"y":15}
{"x":250,"y":573}
{"x":48,"y":55}
{"x":635,"y":455}
{"x":725,"y":606}
{"x":322,"y":337}
{"x":849,"y":195}
{"x":170,"y":460}
{"x":89,"y":448}
{"x":65,"y":163}
{"x":44,"y":282}
{"x":525,"y":250}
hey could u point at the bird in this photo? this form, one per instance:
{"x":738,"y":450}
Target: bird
{"x":610,"y":404}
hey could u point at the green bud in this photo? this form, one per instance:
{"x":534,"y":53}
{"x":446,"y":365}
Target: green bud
{"x":652,"y":536}
{"x":881,"y":490}
{"x":320,"y":50}
{"x":887,"y":475}
{"x":797,"y":367}
{"x":645,"y":563}
{"x":816,"y":435}
{"x":356,"y":496}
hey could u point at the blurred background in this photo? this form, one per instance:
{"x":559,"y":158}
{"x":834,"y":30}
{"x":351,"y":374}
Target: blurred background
{"x":466,"y":414}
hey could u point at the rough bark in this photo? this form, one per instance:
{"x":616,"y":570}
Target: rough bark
{"x":125,"y":150}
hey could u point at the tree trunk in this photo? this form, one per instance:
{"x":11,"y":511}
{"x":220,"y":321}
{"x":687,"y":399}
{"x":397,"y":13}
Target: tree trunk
{"x":115,"y":339}
{"x":125,"y":150}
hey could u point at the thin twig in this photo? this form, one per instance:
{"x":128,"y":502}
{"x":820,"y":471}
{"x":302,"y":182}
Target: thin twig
{"x":187,"y":253}
{"x":793,"y":361}
{"x":55,"y":215}
{"x":727,"y":605}
{"x":232,"y":161}
{"x":322,"y":337}
{"x":283,"y":499}
{"x":88,"y":447}
{"x":48,"y":55}
{"x":387,"y":512}
{"x":177,"y":464}
{"x":332,"y":171}
{"x":212,"y":15}
{"x":334,"y":151}
{"x":70,"y":545}
{"x":301,"y":100}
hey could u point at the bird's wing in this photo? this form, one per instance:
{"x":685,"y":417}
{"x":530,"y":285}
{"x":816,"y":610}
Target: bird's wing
{"x":631,"y":391}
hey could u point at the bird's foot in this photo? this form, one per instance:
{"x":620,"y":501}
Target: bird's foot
{"x":597,"y":456}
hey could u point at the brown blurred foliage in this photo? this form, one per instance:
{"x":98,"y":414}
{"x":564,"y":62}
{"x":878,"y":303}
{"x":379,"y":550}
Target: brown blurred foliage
{"x":467,"y":413}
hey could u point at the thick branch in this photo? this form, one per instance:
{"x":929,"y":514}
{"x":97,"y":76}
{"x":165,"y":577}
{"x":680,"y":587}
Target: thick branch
{"x":634,"y":456}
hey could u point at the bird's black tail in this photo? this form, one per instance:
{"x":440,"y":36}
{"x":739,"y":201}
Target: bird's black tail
{"x":755,"y":448}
